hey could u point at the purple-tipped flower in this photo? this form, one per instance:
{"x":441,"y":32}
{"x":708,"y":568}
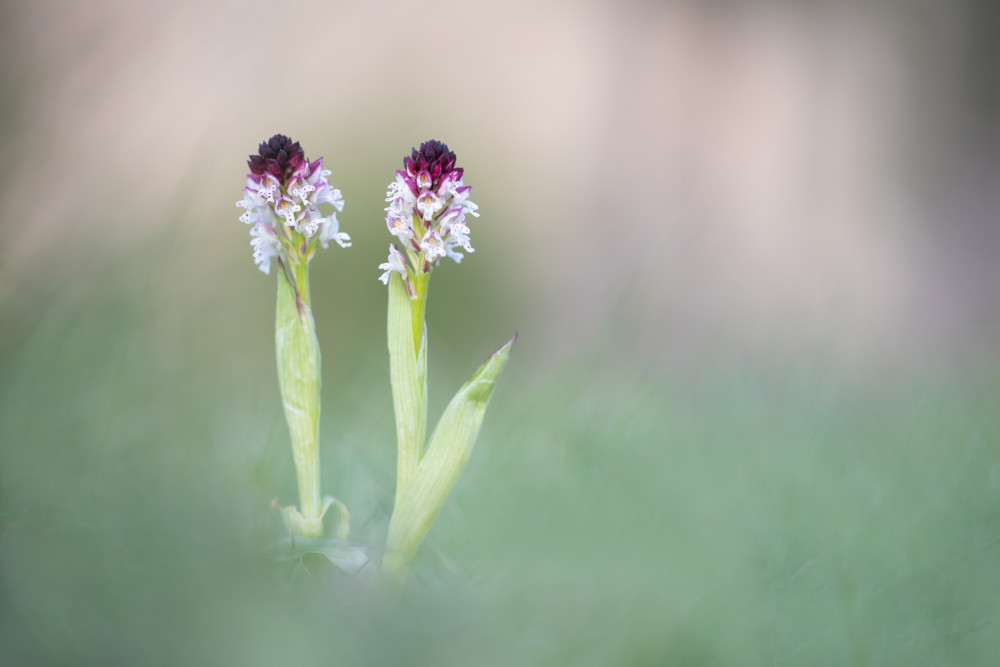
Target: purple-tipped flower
{"x":428,"y":205}
{"x":283,"y":193}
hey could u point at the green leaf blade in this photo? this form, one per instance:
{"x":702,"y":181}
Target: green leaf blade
{"x":447,"y":454}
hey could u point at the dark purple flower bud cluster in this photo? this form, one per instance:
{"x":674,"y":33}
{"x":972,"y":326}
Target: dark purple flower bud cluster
{"x":279,"y":156}
{"x":433,"y":159}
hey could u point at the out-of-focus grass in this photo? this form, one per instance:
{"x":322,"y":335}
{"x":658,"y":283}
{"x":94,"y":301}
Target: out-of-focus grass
{"x":755,"y":514}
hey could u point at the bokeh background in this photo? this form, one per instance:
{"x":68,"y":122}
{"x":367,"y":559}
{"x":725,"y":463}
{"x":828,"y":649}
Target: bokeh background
{"x":751,"y":252}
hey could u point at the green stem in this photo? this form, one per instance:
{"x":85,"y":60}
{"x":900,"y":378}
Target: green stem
{"x":299,"y":379}
{"x":418,"y":307}
{"x":407,"y":370}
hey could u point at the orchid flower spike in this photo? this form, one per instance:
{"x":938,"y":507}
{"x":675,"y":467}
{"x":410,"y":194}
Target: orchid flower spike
{"x":282,"y":198}
{"x":428,"y":205}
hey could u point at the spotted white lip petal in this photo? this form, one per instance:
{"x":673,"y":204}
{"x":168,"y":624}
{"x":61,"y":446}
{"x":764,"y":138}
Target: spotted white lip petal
{"x":336,"y":199}
{"x":267,"y":186}
{"x":300,"y":190}
{"x":287,"y":208}
{"x":248,"y":217}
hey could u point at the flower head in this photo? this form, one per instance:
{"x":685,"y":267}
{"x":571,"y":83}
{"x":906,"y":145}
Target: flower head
{"x":428,"y":205}
{"x":281,"y":199}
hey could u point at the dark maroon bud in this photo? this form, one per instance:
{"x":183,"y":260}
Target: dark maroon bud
{"x":279,"y":155}
{"x":257,"y":165}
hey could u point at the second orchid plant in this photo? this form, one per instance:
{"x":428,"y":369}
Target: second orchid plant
{"x":427,"y":214}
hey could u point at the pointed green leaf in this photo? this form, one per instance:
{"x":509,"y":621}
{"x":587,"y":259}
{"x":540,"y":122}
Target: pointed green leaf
{"x":439,"y":469}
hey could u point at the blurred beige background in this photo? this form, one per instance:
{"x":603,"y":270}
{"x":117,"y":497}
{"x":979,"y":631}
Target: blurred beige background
{"x":666,"y":177}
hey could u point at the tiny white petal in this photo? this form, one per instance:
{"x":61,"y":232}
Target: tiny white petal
{"x":395,"y":262}
{"x":330,"y":231}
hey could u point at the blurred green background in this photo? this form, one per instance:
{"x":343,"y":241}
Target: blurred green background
{"x":751,"y":417}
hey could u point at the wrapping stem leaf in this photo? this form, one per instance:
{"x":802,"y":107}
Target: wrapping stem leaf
{"x":424,"y":495}
{"x":350,"y":558}
{"x":299,"y":380}
{"x":408,"y":374}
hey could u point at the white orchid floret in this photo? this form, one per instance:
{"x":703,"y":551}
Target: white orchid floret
{"x":399,"y":227}
{"x":323,"y":192}
{"x":460,"y":198}
{"x":424,"y":180}
{"x":432,"y":245}
{"x":446,"y":183}
{"x":428,"y":204}
{"x":454,"y":231}
{"x":398,"y":208}
{"x":395,"y":262}
{"x":404,"y":187}
{"x":450,"y":251}
{"x":453,"y":216}
{"x":267,"y":187}
{"x":328,"y":195}
{"x":286,"y":208}
{"x":265,"y":246}
{"x":330,"y":231}
{"x":458,"y":235}
{"x":308,"y":222}
{"x":314,"y":173}
{"x":300,"y":189}
{"x":249,"y":216}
